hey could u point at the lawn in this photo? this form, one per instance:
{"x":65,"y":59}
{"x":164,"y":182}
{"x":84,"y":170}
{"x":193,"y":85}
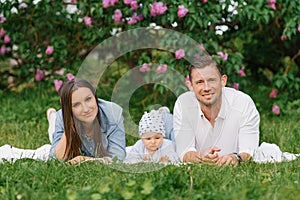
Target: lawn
{"x":23,"y":124}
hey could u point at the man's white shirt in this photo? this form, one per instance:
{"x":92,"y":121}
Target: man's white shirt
{"x":236,"y":127}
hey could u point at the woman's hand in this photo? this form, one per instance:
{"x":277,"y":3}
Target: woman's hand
{"x":79,"y":159}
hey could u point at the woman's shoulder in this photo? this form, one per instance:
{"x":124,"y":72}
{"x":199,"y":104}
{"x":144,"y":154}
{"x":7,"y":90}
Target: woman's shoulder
{"x":108,"y":106}
{"x":110,"y":113}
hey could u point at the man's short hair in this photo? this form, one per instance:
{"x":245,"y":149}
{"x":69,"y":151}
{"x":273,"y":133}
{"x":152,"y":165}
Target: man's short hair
{"x":201,"y":61}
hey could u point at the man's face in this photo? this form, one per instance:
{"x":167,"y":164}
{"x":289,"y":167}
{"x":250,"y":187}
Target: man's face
{"x":207,"y":85}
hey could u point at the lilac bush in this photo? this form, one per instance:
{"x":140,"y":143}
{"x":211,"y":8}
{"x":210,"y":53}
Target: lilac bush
{"x":45,"y":40}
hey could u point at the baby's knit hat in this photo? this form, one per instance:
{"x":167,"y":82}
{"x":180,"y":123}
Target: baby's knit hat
{"x":152,"y":122}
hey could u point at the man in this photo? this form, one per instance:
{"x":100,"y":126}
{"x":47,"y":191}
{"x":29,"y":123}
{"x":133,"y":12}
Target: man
{"x":212,"y":123}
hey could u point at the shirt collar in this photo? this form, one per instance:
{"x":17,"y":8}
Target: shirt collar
{"x":224,"y":106}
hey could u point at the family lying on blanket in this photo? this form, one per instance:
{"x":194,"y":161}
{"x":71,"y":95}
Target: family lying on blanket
{"x":211,"y":124}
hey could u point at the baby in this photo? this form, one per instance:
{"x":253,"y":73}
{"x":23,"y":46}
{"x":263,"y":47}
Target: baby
{"x":152,"y":147}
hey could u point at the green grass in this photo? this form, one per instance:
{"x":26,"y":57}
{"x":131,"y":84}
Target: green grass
{"x":23,"y":124}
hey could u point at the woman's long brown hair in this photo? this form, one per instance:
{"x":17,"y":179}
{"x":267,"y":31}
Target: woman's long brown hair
{"x":73,"y":129}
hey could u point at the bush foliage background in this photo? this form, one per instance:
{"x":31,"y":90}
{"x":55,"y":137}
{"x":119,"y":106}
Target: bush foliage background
{"x":260,"y":39}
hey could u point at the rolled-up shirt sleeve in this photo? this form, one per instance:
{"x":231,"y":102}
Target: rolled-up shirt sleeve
{"x":249,"y":130}
{"x":116,"y":137}
{"x":59,"y":130}
{"x":183,"y":131}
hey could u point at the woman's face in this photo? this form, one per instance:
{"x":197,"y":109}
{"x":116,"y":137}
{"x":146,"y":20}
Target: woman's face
{"x":84,"y":105}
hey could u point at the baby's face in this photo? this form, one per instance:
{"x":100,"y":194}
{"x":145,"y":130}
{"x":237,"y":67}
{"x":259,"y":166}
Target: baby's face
{"x":152,"y":141}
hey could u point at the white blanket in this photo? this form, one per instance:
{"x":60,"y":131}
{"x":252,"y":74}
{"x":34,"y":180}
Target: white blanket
{"x":11,"y":154}
{"x":265,"y":153}
{"x":271,"y":153}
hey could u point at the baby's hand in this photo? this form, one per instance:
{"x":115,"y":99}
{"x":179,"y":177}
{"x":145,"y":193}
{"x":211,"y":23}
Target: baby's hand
{"x":145,"y":158}
{"x":164,"y":159}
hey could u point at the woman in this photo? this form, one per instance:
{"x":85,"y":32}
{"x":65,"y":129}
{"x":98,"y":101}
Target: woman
{"x":87,"y":127}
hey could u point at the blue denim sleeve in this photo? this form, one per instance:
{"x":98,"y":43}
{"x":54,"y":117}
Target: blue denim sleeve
{"x":59,"y":130}
{"x":116,"y":138}
{"x":169,"y":126}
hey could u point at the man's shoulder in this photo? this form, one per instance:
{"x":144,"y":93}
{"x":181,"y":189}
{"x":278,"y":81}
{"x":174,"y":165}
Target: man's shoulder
{"x":236,"y":97}
{"x":235,"y":94}
{"x":187,"y":97}
{"x":186,"y":103}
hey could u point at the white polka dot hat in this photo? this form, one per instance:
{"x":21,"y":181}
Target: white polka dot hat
{"x":152,"y":122}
